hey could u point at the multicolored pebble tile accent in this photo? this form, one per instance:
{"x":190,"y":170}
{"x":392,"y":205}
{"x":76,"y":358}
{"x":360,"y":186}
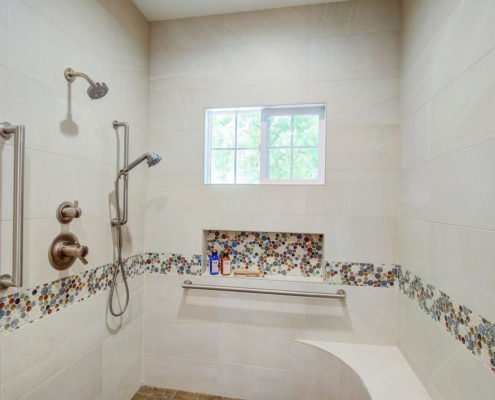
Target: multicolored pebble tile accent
{"x":285,"y":254}
{"x":277,"y":254}
{"x":361,"y":274}
{"x":165,"y":263}
{"x":22,"y":308}
{"x":473,"y":331}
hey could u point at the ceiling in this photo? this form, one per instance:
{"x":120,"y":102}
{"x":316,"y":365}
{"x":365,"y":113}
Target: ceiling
{"x":158,"y":10}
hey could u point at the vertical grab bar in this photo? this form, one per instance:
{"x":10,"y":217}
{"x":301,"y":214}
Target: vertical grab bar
{"x":8,"y":131}
{"x":125,"y":206}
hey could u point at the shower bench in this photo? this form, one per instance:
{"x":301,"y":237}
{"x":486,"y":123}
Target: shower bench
{"x":355,"y":371}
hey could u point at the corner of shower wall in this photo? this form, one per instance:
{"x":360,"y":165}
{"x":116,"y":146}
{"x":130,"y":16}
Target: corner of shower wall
{"x":447,"y":325}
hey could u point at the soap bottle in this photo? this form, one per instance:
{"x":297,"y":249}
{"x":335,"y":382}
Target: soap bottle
{"x":226,"y":263}
{"x":214,"y":263}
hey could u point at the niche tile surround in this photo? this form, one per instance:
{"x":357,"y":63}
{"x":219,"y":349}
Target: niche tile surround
{"x":471,"y":330}
{"x":275,"y":253}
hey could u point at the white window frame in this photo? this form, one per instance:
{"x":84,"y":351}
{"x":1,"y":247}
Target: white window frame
{"x":266,"y":112}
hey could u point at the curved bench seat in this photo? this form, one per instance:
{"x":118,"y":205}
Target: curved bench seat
{"x":355,"y":372}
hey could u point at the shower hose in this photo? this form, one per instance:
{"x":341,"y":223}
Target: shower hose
{"x":120,"y":264}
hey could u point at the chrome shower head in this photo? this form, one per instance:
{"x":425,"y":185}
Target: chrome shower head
{"x":151,"y":158}
{"x":96,"y":90}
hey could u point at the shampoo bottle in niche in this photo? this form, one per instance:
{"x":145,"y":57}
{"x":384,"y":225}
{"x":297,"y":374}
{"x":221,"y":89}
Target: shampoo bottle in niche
{"x":226,"y":263}
{"x":214,"y":263}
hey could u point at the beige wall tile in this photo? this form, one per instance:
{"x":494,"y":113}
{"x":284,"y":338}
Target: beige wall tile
{"x":61,"y":356}
{"x":267,"y":25}
{"x":266,"y":58}
{"x":446,"y":223}
{"x":460,"y":254}
{"x":223,"y":342}
{"x":81,"y":380}
{"x":362,"y":148}
{"x":365,"y":56}
{"x":461,"y":113}
{"x":356,"y":16}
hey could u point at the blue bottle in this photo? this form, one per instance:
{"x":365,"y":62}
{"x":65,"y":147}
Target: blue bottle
{"x":214,"y":263}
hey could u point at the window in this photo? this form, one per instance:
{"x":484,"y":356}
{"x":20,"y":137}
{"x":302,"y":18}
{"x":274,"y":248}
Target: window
{"x":265,"y":145}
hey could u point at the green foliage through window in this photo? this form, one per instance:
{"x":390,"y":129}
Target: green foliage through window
{"x":290,"y":151}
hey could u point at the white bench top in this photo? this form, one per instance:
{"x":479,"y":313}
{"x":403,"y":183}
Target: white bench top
{"x":383,"y":369}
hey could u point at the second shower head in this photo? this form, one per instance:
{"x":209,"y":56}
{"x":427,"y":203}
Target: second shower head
{"x":151,"y":158}
{"x":96,"y":90}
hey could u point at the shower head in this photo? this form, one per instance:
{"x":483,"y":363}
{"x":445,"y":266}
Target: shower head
{"x":151,"y":158}
{"x":96,"y":90}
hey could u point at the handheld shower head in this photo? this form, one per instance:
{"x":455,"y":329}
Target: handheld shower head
{"x":96,"y":90}
{"x":151,"y":158}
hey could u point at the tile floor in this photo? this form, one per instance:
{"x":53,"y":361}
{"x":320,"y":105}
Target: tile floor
{"x":153,"y":393}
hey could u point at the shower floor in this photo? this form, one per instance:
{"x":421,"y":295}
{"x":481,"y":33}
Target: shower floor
{"x":153,"y":393}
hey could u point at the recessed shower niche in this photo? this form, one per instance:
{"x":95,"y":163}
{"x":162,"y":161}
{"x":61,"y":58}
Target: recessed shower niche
{"x":273,"y":254}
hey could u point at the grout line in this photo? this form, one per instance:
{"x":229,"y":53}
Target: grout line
{"x":432,"y":34}
{"x":103,"y":12}
{"x":269,"y":84}
{"x":433,"y":222}
{"x":449,"y":83}
{"x":469,"y":147}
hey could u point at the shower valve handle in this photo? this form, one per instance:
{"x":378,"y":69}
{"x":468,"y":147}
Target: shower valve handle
{"x":75,"y":250}
{"x":65,"y":249}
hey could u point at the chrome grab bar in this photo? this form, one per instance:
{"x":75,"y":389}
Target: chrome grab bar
{"x":116,"y":125}
{"x":340,"y":294}
{"x":17,"y":131}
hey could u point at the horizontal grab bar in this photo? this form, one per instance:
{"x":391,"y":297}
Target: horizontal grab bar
{"x":340,"y":294}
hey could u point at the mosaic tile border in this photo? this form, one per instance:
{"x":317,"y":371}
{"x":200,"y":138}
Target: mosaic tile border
{"x":361,"y":274}
{"x":166,"y":263}
{"x":22,"y":308}
{"x":468,"y":328}
{"x":275,"y":253}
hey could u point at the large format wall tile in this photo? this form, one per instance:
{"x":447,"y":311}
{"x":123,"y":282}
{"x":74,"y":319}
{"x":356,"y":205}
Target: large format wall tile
{"x":460,"y":187}
{"x":364,"y":56}
{"x":446,"y":225}
{"x":39,"y":357}
{"x":280,"y":57}
{"x":71,"y":154}
{"x":459,"y":121}
{"x":465,"y":252}
{"x":82,"y":379}
{"x":437,"y":358}
{"x":267,"y":25}
{"x":3,"y":32}
{"x":360,"y":239}
{"x":362,"y":148}
{"x":356,"y":16}
{"x":464,"y":39}
{"x":237,"y":334}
